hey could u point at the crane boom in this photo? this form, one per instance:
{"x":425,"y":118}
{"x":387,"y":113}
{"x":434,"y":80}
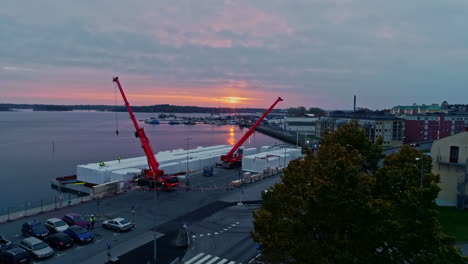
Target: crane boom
{"x":232,"y":156}
{"x":153,"y":172}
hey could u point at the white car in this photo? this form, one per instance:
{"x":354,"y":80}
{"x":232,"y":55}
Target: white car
{"x":37,"y":248}
{"x":56,"y":225}
{"x":118,"y":224}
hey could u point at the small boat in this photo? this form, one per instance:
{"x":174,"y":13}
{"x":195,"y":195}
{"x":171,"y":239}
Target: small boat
{"x":172,"y":122}
{"x":151,"y":120}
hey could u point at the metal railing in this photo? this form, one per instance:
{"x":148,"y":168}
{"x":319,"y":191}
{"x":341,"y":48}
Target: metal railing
{"x":38,"y":206}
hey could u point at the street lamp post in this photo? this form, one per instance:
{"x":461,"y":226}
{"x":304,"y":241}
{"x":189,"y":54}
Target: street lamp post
{"x":187,"y":180}
{"x":422,"y":172}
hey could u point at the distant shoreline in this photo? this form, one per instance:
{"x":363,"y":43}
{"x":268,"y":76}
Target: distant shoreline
{"x":141,"y":109}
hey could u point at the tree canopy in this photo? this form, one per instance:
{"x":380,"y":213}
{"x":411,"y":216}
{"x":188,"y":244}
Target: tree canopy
{"x":338,"y":206}
{"x":301,"y":111}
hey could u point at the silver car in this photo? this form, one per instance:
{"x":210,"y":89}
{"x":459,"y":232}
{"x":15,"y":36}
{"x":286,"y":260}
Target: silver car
{"x":38,"y":248}
{"x":118,"y":224}
{"x":56,"y":225}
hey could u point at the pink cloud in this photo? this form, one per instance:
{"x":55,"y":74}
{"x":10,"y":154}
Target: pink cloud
{"x":249,"y":26}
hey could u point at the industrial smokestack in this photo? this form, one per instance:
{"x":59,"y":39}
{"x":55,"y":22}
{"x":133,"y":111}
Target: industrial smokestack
{"x":354,"y":107}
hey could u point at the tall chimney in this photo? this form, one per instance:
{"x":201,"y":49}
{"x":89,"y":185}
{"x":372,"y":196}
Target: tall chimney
{"x":354,"y":107}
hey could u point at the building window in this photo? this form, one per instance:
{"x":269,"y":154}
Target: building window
{"x":454,"y":154}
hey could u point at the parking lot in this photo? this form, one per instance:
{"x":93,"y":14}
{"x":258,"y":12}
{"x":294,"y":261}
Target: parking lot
{"x":169,"y":211}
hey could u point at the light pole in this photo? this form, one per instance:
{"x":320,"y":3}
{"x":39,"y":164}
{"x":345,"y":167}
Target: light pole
{"x":187,"y":180}
{"x":155,"y":234}
{"x":422,"y":172}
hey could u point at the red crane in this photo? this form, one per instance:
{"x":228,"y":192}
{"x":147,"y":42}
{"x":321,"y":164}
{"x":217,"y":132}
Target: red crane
{"x":153,"y":173}
{"x":234,"y":158}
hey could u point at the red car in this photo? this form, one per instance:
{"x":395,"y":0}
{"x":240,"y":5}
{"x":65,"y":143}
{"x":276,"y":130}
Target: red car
{"x":76,"y":219}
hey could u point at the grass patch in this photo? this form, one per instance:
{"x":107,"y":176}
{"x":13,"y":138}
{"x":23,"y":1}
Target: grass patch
{"x":425,"y":150}
{"x":454,"y":222}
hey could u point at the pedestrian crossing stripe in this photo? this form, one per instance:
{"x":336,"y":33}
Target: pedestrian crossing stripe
{"x":203,"y":258}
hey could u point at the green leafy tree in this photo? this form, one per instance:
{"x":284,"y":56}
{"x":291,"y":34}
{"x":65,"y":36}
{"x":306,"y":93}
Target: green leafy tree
{"x":339,"y":207}
{"x":316,"y":111}
{"x":298,"y":111}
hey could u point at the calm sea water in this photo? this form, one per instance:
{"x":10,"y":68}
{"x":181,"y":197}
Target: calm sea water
{"x":36,"y":147}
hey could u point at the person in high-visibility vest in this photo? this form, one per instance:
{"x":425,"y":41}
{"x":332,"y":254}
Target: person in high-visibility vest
{"x":119,"y":158}
{"x":92,"y":220}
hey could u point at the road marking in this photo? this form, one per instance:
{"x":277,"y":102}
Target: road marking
{"x":232,"y":262}
{"x":78,"y":247}
{"x":203,"y":259}
{"x":208,"y":234}
{"x":256,"y":257}
{"x":222,"y":261}
{"x":213,"y":260}
{"x":237,"y":222}
{"x":229,"y":227}
{"x":201,"y":235}
{"x":194,"y":236}
{"x":195,"y":258}
{"x":59,"y":255}
{"x":225,"y":229}
{"x":116,"y":234}
{"x":234,"y":224}
{"x":216,"y":233}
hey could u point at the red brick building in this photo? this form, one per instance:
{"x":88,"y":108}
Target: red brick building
{"x":433,"y":126}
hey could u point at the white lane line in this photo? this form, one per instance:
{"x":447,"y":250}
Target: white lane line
{"x":194,"y":236}
{"x":232,"y":262}
{"x":222,"y":261}
{"x":233,"y":225}
{"x":203,"y":259}
{"x":201,"y":235}
{"x":216,"y":233}
{"x":208,"y":234}
{"x":194,"y":258}
{"x":225,"y":229}
{"x":116,"y":234}
{"x":229,"y":227}
{"x":237,"y":222}
{"x":212,"y":260}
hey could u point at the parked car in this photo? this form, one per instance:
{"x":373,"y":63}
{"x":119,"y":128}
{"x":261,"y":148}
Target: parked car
{"x":118,"y":224}
{"x":56,"y":225}
{"x":76,"y":219}
{"x":37,"y":248}
{"x":4,"y":244}
{"x":15,"y":256}
{"x":79,"y":234}
{"x":34,"y":228}
{"x":60,"y":241}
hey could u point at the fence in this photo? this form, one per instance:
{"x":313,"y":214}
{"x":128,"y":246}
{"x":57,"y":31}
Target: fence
{"x":39,"y":206}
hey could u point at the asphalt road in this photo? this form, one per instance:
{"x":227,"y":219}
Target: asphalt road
{"x":223,"y":236}
{"x":171,"y":209}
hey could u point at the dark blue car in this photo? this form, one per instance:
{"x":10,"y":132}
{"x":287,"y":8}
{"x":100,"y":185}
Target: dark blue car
{"x":34,"y":228}
{"x":79,"y":234}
